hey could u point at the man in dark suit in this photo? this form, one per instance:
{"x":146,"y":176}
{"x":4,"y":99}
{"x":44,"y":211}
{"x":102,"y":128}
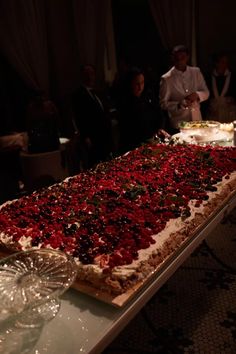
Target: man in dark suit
{"x":91,"y":119}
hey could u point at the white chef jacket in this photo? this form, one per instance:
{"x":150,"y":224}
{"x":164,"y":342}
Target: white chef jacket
{"x":175,"y":85}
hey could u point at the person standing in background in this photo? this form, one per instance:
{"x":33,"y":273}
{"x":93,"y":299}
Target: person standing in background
{"x":182,"y":89}
{"x":42,"y":123}
{"x":139,"y":112}
{"x":222,"y":86}
{"x":92,"y":120}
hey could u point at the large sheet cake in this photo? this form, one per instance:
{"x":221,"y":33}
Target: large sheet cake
{"x":121,"y":220}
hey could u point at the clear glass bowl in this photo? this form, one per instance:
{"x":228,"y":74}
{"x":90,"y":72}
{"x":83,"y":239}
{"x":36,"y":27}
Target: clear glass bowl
{"x":201,"y":127}
{"x":31,"y":282}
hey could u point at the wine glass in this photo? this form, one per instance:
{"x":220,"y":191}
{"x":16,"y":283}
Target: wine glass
{"x":31,"y":283}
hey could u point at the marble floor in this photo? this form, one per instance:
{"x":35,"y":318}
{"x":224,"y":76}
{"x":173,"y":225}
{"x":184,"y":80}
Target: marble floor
{"x":195,"y":311}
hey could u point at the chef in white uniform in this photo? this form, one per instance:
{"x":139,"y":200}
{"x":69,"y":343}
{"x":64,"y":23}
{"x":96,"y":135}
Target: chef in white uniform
{"x":182,"y":89}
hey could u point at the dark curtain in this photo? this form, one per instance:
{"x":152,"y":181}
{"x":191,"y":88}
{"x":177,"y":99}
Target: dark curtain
{"x":175,"y":21}
{"x":47,"y":40}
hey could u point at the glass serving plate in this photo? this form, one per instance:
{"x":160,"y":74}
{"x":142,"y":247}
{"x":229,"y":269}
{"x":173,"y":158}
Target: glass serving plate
{"x":31,"y":283}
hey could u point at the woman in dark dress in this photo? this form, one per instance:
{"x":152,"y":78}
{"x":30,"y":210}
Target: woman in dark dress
{"x":140,"y":116}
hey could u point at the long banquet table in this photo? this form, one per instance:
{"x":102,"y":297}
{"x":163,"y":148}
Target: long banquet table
{"x":87,"y":325}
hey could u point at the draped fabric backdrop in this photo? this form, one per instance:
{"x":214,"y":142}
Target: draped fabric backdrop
{"x":90,"y":26}
{"x":47,"y":41}
{"x":205,"y":26}
{"x":110,"y":64}
{"x":62,"y":47}
{"x":216,"y":30}
{"x":23,"y":40}
{"x":175,"y":21}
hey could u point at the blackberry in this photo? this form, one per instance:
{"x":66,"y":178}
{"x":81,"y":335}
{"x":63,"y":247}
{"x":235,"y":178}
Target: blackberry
{"x":22,"y":223}
{"x":85,"y":258}
{"x":36,"y":241}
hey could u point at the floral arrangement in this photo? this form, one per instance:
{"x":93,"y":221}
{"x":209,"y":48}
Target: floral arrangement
{"x":108,"y":214}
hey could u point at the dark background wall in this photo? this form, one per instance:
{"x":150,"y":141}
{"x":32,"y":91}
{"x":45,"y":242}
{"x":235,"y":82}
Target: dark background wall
{"x":216,"y":30}
{"x":136,"y":36}
{"x":138,"y":42}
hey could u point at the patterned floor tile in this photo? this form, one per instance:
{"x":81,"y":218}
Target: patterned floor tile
{"x":195,"y":311}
